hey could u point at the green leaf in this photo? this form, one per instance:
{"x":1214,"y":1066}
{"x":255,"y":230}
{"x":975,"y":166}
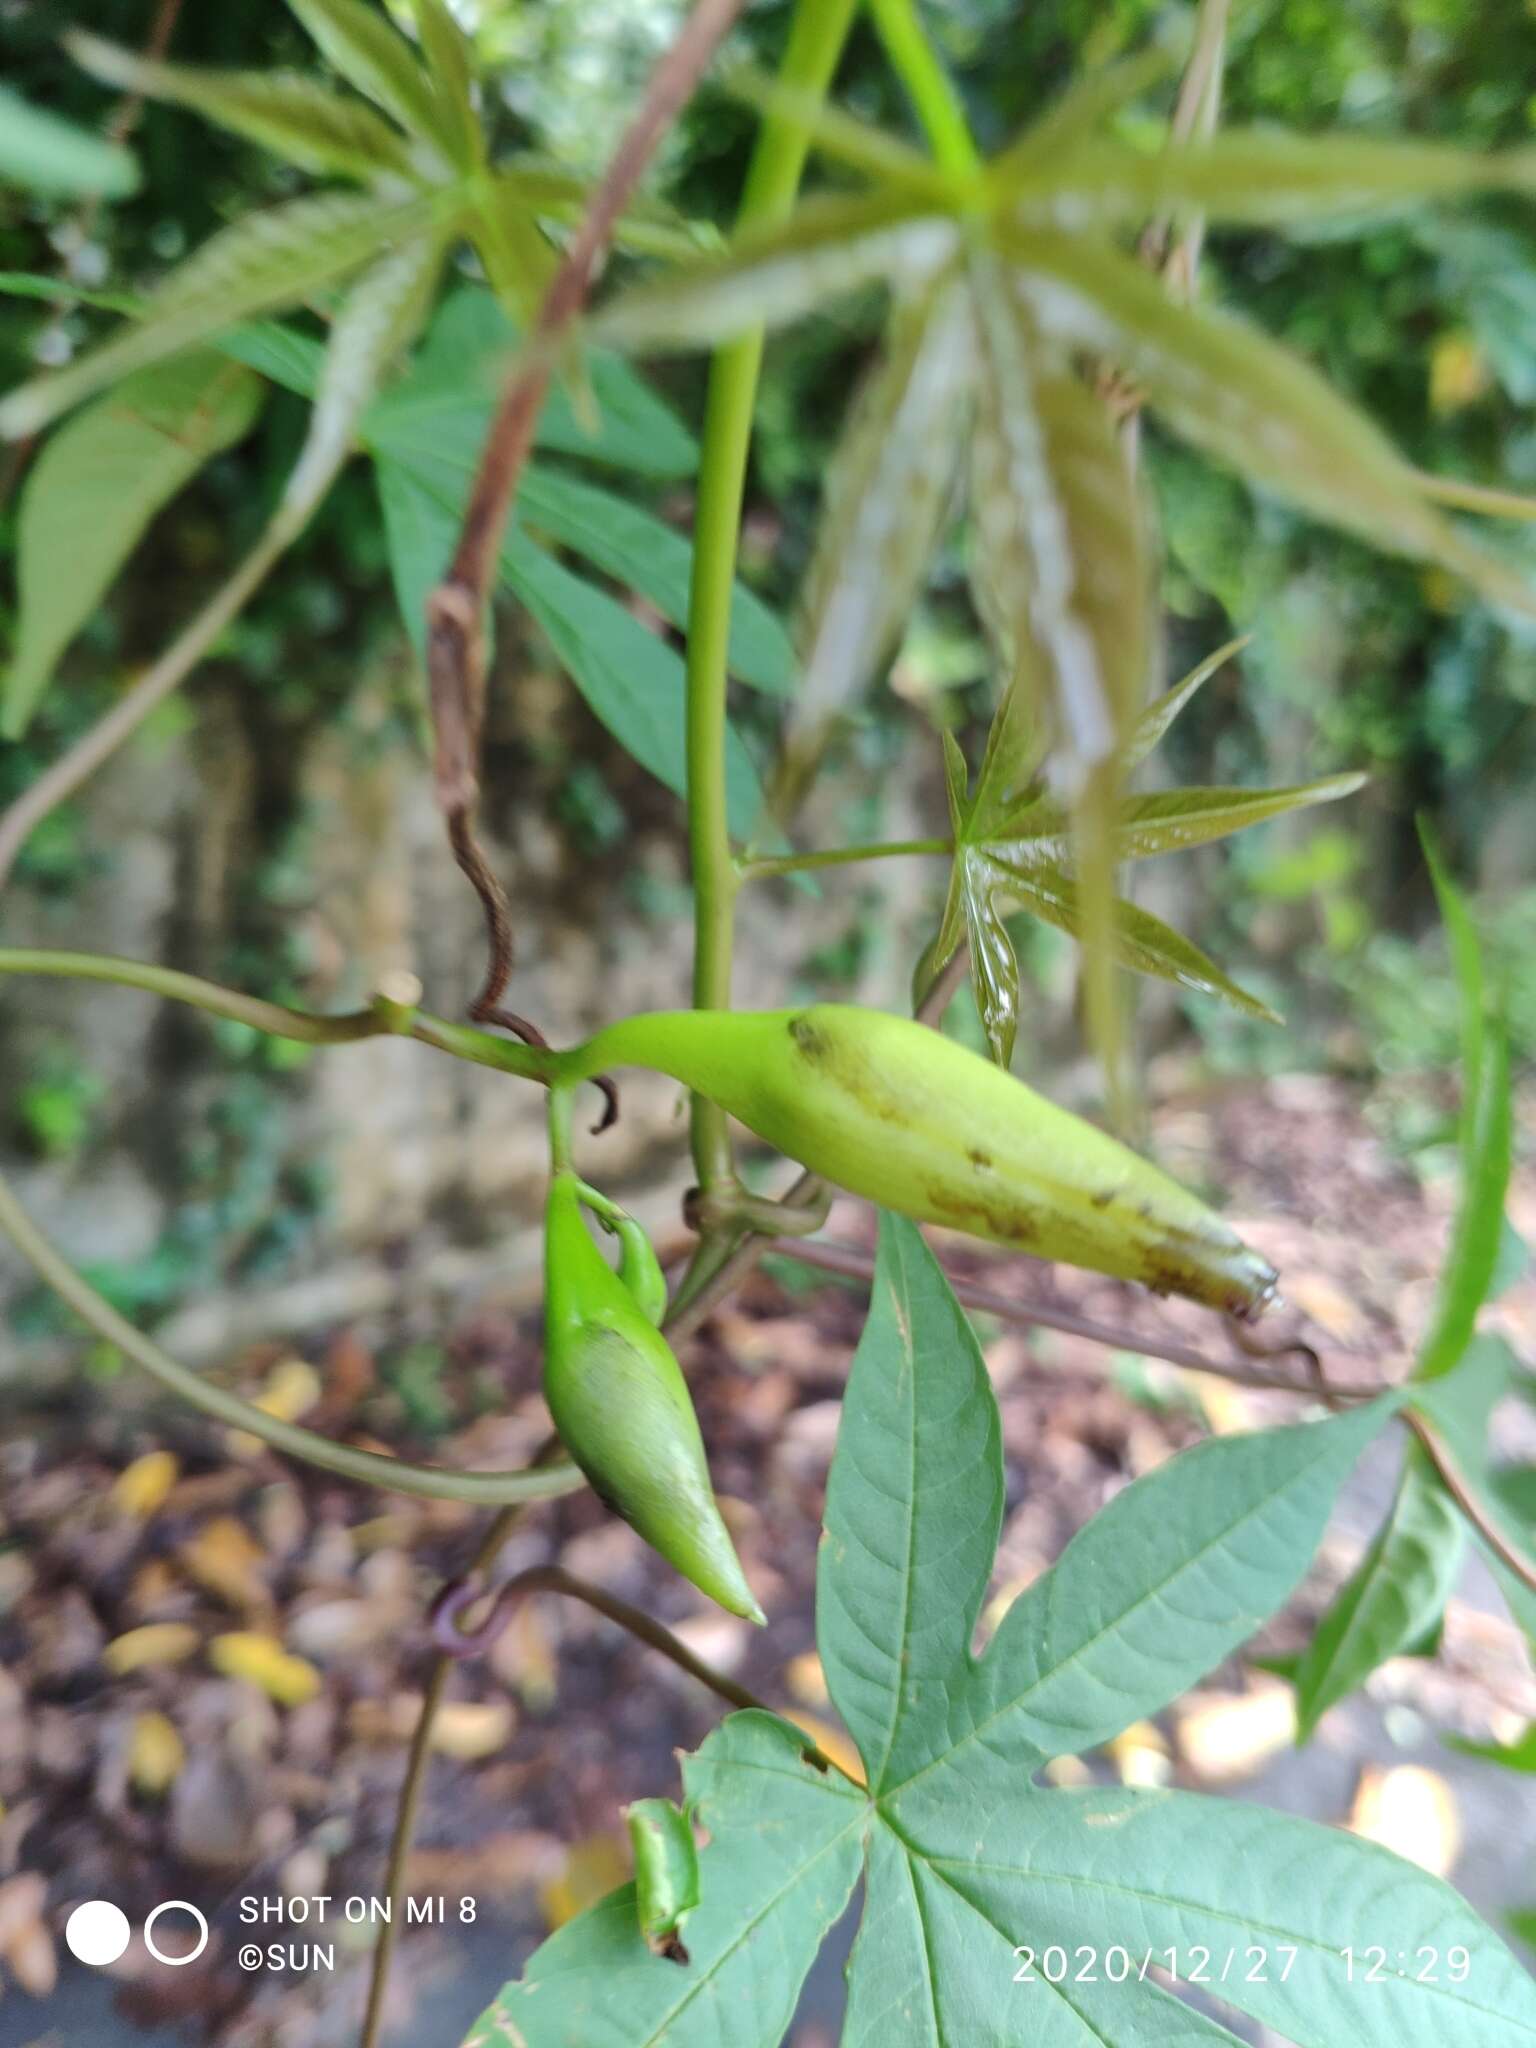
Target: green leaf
{"x":448,"y":60}
{"x":1510,"y":1756}
{"x":997,"y":1910}
{"x":1255,"y":177}
{"x":264,"y":262}
{"x":28,"y":284}
{"x":1086,"y":105}
{"x":666,"y":1873}
{"x":633,"y":681}
{"x":913,"y":1557}
{"x":293,"y":360}
{"x":833,"y":245}
{"x":768,"y":1899}
{"x":93,"y":490}
{"x":43,"y":154}
{"x":1172,"y":820}
{"x":362,"y":44}
{"x":1396,"y":1595}
{"x":1253,"y":405}
{"x":887,"y":491}
{"x":442,"y":407}
{"x":1151,"y":728}
{"x":637,"y":549}
{"x":293,"y":116}
{"x":383,"y":310}
{"x":1487,"y":1139}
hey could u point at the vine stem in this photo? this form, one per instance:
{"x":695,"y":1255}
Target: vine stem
{"x":456,"y":608}
{"x":928,"y":85}
{"x":368,"y":1468}
{"x":818,"y":30}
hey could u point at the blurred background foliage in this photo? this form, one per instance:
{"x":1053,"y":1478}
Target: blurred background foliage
{"x":1357,"y":660}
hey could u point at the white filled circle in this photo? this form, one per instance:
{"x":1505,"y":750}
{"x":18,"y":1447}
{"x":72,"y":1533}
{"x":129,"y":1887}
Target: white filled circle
{"x":175,"y":1906}
{"x":96,"y":1933}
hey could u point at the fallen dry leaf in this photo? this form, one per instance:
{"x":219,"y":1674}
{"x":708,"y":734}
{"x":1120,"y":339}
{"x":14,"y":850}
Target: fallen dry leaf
{"x":1412,"y":1811}
{"x":141,"y":1487}
{"x":1222,"y":1736}
{"x":225,"y":1560}
{"x":263,"y":1662}
{"x":156,"y":1754}
{"x":156,"y":1643}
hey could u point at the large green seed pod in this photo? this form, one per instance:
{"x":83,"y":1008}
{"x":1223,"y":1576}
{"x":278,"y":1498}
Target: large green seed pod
{"x":623,"y":1409}
{"x":894,"y":1111}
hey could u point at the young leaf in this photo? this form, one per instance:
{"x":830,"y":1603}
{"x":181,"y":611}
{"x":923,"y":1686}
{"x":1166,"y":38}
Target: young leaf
{"x":262,"y":263}
{"x":886,"y":494}
{"x":666,"y":1873}
{"x":1151,"y":728}
{"x":1395,"y":1597}
{"x":293,"y":116}
{"x":361,"y":44}
{"x":635,"y":548}
{"x":974,"y":1872}
{"x":43,"y":154}
{"x":1248,"y":402}
{"x":1172,"y":820}
{"x":1253,"y":177}
{"x":93,"y":490}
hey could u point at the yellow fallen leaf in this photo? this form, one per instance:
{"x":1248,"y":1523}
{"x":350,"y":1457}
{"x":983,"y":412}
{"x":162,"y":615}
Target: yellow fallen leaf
{"x":156,"y":1754}
{"x":830,"y":1741}
{"x":1458,"y":373}
{"x":263,"y":1662}
{"x":290,"y":1390}
{"x":1224,"y":1736}
{"x":806,"y":1679}
{"x":141,"y":1487}
{"x":592,"y":1869}
{"x":1140,"y":1755}
{"x":142,"y":1649}
{"x":226,"y":1560}
{"x":471,"y":1729}
{"x":1409,"y":1810}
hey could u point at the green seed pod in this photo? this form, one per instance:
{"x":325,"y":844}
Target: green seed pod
{"x":639,"y":1267}
{"x":623,"y":1409}
{"x":894,"y":1111}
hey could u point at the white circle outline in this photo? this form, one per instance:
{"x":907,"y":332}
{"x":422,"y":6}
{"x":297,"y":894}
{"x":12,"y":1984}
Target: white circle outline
{"x":90,"y":1918}
{"x":174,"y":1906}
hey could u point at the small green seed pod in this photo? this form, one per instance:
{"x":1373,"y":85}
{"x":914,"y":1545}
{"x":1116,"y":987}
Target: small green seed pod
{"x":894,"y":1111}
{"x":622,"y":1407}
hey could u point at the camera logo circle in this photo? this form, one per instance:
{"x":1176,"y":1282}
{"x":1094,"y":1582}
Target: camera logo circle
{"x":96,"y":1933}
{"x":175,"y":1906}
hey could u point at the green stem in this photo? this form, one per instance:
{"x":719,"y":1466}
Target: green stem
{"x":816,"y":37}
{"x":478,"y":1489}
{"x":1469,"y":497}
{"x":386,"y":1018}
{"x":928,"y":85}
{"x":838,"y":856}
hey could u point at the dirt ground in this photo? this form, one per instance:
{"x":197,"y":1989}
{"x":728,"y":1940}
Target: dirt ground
{"x":210,"y":1662}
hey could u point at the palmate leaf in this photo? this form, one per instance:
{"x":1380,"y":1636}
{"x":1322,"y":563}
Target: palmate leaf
{"x":267,"y":261}
{"x":1014,"y":846}
{"x":452,"y":72}
{"x":971,"y":1866}
{"x":94,"y":489}
{"x":294,"y":116}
